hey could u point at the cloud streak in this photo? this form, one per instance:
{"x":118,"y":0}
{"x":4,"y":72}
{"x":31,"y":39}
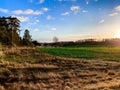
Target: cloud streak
{"x":27,"y":12}
{"x":53,"y":29}
{"x":65,"y":13}
{"x":113,"y":14}
{"x":117,"y":8}
{"x":45,"y":9}
{"x":101,"y":21}
{"x":22,"y":18}
{"x":84,"y":11}
{"x":3,"y":10}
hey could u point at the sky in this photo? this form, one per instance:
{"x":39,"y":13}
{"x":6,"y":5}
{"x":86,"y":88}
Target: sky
{"x":69,"y":20}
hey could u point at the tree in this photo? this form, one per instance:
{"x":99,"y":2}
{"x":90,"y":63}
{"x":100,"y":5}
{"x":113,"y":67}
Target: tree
{"x":36,"y":43}
{"x":27,"y":38}
{"x":55,"y":39}
{"x":9,"y":28}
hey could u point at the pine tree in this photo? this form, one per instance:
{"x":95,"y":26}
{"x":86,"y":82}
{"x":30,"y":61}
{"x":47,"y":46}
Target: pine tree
{"x":27,"y":38}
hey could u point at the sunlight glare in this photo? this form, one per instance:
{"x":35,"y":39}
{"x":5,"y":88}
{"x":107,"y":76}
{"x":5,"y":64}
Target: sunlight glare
{"x":118,"y":34}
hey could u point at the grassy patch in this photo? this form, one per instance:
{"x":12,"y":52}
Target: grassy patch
{"x":104,"y":53}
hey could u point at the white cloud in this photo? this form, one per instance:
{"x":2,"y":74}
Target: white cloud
{"x":75,"y":9}
{"x":49,"y":17}
{"x":37,"y":12}
{"x":3,"y":10}
{"x":54,"y":29}
{"x":65,"y":13}
{"x":27,"y":12}
{"x":45,"y":9}
{"x":23,"y":19}
{"x":84,"y":11}
{"x":41,"y":1}
{"x":35,"y":30}
{"x":117,"y":8}
{"x":113,"y":14}
{"x":102,"y":21}
{"x":18,"y":12}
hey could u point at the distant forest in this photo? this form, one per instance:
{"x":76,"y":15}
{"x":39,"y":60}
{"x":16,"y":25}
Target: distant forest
{"x":85,"y":42}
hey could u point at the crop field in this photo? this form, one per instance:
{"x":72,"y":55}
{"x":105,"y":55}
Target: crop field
{"x":102,"y":53}
{"x":31,"y":69}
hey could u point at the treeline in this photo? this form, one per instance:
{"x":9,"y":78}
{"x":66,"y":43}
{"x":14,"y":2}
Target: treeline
{"x":85,"y":42}
{"x":94,"y":42}
{"x":10,"y":35}
{"x":10,"y":32}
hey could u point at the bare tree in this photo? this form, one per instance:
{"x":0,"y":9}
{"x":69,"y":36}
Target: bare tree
{"x":55,"y":39}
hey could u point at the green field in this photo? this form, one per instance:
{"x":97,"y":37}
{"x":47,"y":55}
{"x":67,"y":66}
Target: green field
{"x":103,"y":53}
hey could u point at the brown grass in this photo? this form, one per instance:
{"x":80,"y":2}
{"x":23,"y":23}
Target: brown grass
{"x":28,"y":69}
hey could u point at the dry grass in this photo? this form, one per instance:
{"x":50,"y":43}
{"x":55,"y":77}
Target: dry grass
{"x":28,"y":69}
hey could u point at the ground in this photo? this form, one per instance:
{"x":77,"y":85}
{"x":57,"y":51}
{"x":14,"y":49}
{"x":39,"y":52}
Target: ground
{"x":29,"y":69}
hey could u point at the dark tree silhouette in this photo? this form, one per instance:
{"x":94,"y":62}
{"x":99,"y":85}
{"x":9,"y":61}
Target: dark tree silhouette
{"x":36,"y":43}
{"x":9,"y":28}
{"x":27,"y":38}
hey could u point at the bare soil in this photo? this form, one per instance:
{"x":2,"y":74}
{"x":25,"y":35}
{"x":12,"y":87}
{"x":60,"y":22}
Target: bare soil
{"x":28,"y":69}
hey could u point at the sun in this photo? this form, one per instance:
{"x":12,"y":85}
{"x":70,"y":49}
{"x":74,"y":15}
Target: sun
{"x":118,"y":34}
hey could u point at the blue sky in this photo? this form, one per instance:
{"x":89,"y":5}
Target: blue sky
{"x":66,"y":19}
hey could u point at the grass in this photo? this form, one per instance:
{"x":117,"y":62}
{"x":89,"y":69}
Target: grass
{"x":29,"y":69}
{"x":104,"y":53}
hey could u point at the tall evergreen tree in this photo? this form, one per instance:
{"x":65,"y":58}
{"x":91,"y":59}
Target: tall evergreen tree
{"x":27,"y":38}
